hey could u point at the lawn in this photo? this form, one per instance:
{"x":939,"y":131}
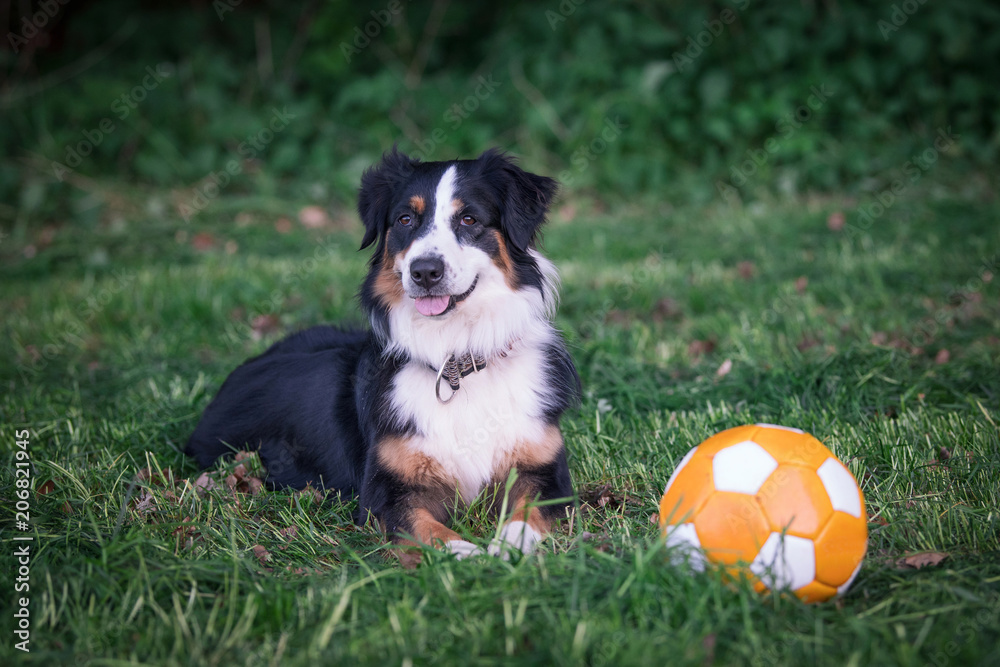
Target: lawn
{"x":882,"y":339}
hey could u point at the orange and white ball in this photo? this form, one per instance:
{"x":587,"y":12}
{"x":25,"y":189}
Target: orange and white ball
{"x":772,"y":503}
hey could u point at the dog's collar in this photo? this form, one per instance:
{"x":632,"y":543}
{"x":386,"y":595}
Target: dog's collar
{"x":455,"y":368}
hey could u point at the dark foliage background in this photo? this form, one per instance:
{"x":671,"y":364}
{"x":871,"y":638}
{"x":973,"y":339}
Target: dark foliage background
{"x":692,"y":87}
{"x":778,"y":212}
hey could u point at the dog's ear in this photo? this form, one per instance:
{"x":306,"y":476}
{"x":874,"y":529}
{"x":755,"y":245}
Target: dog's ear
{"x":378,"y":185}
{"x":524,"y":197}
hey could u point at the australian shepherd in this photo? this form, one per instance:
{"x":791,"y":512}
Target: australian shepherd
{"x":461,"y":379}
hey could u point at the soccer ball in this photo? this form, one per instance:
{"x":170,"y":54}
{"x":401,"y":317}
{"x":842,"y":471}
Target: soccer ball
{"x":770,"y":503}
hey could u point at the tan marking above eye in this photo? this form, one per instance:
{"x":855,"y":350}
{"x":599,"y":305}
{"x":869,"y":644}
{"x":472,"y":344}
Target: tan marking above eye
{"x":418,"y":204}
{"x":457,"y":204}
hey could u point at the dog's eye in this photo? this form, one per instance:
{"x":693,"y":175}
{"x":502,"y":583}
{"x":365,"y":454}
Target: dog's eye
{"x":404,"y":220}
{"x":468,"y":220}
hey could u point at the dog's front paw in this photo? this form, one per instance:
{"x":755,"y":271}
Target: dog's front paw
{"x":463,"y":549}
{"x":516,"y":535}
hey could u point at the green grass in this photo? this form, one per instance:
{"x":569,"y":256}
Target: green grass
{"x":116,"y":335}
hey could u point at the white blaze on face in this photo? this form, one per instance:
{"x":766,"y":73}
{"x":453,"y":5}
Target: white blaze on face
{"x":486,"y":321}
{"x":460,"y":268}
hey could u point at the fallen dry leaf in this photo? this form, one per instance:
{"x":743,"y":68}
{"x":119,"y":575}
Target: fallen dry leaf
{"x":917,"y":561}
{"x":567,"y":212}
{"x":835,"y":221}
{"x":313,"y":217}
{"x":46,"y":236}
{"x":45,"y":488}
{"x":801,"y":283}
{"x":264,"y":325}
{"x":724,"y":368}
{"x":204,"y":484}
{"x":316,"y":494}
{"x":146,"y":503}
{"x":203,"y":241}
{"x":184,"y":529}
{"x":696,"y":348}
{"x":943,"y":356}
{"x":262,"y":554}
{"x":807,"y":342}
{"x":602,"y":496}
{"x":666,"y":309}
{"x":163,"y":478}
{"x":747,"y":270}
{"x":282,"y":225}
{"x":616,"y":316}
{"x":708,"y":643}
{"x":254,"y":485}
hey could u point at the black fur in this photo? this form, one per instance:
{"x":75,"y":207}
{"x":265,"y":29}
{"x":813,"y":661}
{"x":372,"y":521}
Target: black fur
{"x":317,"y":404}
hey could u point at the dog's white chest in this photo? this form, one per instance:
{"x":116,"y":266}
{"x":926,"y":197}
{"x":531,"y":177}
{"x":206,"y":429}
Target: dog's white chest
{"x":494,"y":411}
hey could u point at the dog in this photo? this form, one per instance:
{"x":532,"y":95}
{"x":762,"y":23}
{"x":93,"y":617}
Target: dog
{"x":461,"y":379}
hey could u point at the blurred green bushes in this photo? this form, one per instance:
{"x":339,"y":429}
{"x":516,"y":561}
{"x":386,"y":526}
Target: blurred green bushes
{"x":623,"y":97}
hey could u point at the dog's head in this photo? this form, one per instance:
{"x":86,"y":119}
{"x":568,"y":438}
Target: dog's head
{"x":454,"y":252}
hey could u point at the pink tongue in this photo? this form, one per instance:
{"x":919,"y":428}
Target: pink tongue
{"x":432,"y":305}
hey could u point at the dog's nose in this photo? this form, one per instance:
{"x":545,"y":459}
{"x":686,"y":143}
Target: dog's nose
{"x":427,"y":271}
